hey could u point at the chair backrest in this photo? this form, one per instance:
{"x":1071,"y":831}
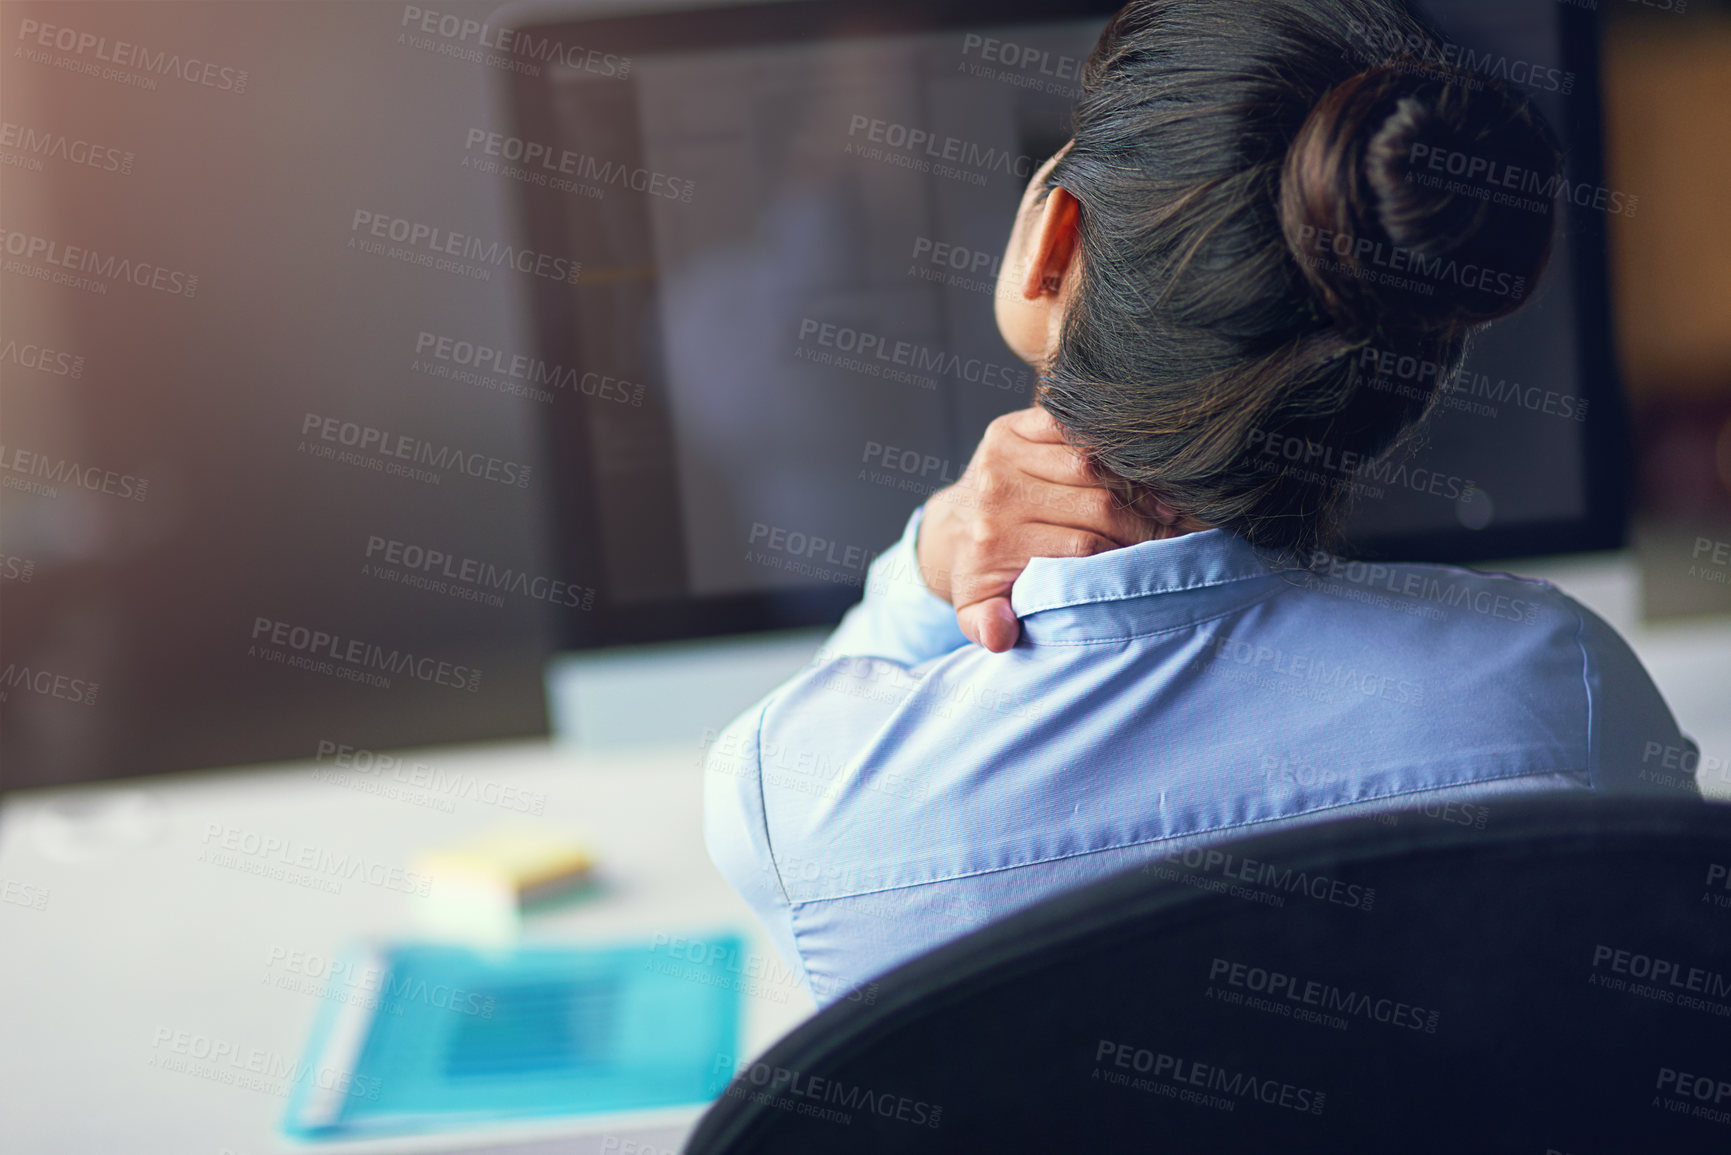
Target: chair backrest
{"x":1557,"y":981}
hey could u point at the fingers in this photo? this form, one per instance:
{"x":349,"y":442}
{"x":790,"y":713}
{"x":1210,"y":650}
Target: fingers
{"x":1042,"y":539}
{"x":1102,"y":512}
{"x":1026,"y":493}
{"x":998,"y":498}
{"x":1056,"y":463}
{"x":1033,"y":424}
{"x":988,"y":565}
{"x":936,"y":543}
{"x":1031,"y":440}
{"x":972,"y":545}
{"x":990,"y":623}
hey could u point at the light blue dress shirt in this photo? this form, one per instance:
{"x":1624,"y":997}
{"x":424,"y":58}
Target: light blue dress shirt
{"x":909,"y":786}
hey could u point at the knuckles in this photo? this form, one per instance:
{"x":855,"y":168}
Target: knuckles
{"x":985,"y":533}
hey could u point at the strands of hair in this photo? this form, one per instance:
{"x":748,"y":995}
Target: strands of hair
{"x":1251,"y":218}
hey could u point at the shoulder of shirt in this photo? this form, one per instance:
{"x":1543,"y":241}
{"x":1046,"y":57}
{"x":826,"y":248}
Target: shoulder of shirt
{"x":1571,"y":622}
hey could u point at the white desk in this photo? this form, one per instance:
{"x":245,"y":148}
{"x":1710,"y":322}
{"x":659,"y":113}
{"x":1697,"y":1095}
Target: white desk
{"x":153,"y":938}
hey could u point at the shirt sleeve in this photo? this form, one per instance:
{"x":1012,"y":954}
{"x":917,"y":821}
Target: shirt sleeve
{"x":899,"y":618}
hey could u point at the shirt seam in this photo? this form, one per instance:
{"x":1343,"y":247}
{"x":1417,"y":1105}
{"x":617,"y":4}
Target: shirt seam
{"x":1593,"y":751}
{"x":763,"y":809}
{"x":1179,"y":628}
{"x":1126,"y":596}
{"x":1172,"y":837}
{"x":787,"y":903}
{"x":1268,"y":571}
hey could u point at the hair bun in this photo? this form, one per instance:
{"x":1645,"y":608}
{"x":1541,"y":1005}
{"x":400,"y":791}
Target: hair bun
{"x":1419,"y":200}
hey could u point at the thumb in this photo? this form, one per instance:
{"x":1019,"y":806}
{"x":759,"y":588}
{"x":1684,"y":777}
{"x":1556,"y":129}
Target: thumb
{"x":990,"y":623}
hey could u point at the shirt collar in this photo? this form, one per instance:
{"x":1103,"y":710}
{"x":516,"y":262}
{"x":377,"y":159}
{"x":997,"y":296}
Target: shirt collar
{"x":1212,"y":557}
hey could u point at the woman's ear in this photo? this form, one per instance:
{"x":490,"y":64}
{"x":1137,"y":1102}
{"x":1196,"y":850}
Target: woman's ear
{"x":1053,"y":245}
{"x":1032,"y":283}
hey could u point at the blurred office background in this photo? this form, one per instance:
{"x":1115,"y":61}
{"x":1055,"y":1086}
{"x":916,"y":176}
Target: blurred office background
{"x":253,"y":187}
{"x":1667,"y":82}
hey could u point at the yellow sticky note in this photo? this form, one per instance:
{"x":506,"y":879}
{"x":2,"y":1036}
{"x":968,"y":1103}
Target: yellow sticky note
{"x":479,"y":887}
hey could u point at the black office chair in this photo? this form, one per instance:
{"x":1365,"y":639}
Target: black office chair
{"x":1559,"y":981}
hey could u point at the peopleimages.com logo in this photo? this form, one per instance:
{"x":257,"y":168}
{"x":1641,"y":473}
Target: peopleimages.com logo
{"x":1393,"y":261}
{"x":42,"y":474}
{"x":923,"y":151}
{"x":482,"y":42}
{"x":808,"y":554}
{"x":524,"y":373}
{"x":405,"y":452}
{"x":1497,"y":181}
{"x":1462,"y":388}
{"x":1021,"y":65}
{"x":47,"y":684}
{"x":31,"y":145}
{"x":102,"y":268}
{"x":1424,"y":55}
{"x":42,"y":359}
{"x":440,"y":571}
{"x":429,"y":243}
{"x":860,"y":348}
{"x":362,"y":769}
{"x":819,"y":1096}
{"x":1183,"y":1072}
{"x":124,"y":54}
{"x":323,"y":652}
{"x":1267,"y":883}
{"x":321,"y":867}
{"x":545,"y":161}
{"x":1292,"y":994}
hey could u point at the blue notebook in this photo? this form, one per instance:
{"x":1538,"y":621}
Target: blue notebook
{"x":421,"y":1037}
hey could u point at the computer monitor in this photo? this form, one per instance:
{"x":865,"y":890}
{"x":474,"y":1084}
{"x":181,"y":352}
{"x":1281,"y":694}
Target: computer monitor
{"x":781,"y":340}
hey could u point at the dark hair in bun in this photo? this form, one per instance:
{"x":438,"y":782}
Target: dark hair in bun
{"x":1272,"y":202}
{"x":1357,"y":170}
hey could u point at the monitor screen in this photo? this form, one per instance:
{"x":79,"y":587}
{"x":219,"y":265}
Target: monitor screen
{"x":790,"y":219}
